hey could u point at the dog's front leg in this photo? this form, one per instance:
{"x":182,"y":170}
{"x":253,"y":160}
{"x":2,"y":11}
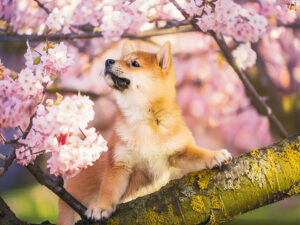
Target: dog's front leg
{"x":194,"y":158}
{"x":114,"y":185}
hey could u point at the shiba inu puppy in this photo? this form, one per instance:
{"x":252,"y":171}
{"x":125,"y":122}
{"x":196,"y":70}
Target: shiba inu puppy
{"x":150,"y":144}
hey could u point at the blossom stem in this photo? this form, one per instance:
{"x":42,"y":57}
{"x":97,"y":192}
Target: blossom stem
{"x":42,"y":6}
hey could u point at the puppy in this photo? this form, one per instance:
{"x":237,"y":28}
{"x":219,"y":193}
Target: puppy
{"x":150,"y":144}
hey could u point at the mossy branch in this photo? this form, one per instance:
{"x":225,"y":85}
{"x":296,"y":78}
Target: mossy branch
{"x":252,"y":180}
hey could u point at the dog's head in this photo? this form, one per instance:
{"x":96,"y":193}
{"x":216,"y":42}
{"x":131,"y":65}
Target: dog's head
{"x":142,"y":75}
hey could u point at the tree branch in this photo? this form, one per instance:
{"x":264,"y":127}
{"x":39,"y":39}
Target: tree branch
{"x":55,"y":184}
{"x":256,"y":99}
{"x":70,"y":36}
{"x":260,"y":177}
{"x":7,"y":216}
{"x":8,"y":160}
{"x":92,"y":95}
{"x":293,"y":25}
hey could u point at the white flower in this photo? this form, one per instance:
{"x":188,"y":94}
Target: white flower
{"x":28,"y":56}
{"x":55,"y":20}
{"x":245,"y":57}
{"x":58,"y":59}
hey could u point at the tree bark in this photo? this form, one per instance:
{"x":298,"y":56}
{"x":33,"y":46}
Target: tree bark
{"x":252,"y":180}
{"x":7,"y":216}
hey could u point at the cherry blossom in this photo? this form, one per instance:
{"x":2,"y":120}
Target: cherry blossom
{"x":60,"y":128}
{"x":57,"y":60}
{"x":228,"y":18}
{"x":244,"y":56}
{"x":55,"y":20}
{"x":16,"y":105}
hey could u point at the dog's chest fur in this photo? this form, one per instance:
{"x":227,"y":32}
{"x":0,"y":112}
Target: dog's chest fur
{"x":140,"y":145}
{"x":146,"y":153}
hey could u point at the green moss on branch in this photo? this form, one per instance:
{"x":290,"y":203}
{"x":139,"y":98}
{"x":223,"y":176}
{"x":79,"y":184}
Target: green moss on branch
{"x":252,"y":180}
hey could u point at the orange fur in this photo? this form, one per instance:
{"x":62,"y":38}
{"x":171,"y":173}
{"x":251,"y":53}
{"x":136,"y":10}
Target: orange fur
{"x":150,"y":145}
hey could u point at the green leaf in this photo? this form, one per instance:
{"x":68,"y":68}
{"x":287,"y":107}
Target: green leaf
{"x":14,"y":74}
{"x":37,"y":61}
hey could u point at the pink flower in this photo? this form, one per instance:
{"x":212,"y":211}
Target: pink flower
{"x":228,"y":18}
{"x":77,"y":154}
{"x":62,"y":130}
{"x":30,"y":83}
{"x":15,"y":103}
{"x":114,"y":23}
{"x":57,"y":61}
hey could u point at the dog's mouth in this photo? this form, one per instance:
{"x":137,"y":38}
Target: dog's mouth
{"x":119,"y":83}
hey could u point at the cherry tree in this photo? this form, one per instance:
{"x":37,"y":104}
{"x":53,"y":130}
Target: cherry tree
{"x":219,"y":48}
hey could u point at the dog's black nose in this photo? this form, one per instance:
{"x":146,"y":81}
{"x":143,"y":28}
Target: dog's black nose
{"x":109,"y":62}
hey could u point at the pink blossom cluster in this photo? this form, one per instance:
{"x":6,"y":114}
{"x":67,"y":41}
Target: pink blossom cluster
{"x":57,"y":60}
{"x":20,"y":95}
{"x":244,"y":56}
{"x":21,"y":92}
{"x":15,"y":105}
{"x":115,"y":22}
{"x":61,"y":128}
{"x":244,"y":21}
{"x":112,"y":18}
{"x":284,"y":11}
{"x":228,"y":18}
{"x":23,"y":16}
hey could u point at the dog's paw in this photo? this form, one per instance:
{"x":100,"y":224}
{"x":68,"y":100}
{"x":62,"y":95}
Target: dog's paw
{"x":95,"y":213}
{"x":219,"y":157}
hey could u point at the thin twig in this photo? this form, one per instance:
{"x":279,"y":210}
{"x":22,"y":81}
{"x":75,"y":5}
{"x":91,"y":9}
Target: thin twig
{"x":9,"y":159}
{"x":56,"y":186}
{"x":41,"y":5}
{"x":293,"y":25}
{"x":256,"y":99}
{"x":25,"y":134}
{"x":85,"y":35}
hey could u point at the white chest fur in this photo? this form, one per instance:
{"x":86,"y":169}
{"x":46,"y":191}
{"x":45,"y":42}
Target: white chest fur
{"x":143,"y":146}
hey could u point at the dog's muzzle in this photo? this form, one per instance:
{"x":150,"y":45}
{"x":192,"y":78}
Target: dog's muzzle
{"x":120,"y":83}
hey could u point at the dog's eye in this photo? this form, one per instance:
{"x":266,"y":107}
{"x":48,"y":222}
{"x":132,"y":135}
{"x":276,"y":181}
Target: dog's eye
{"x":135,"y":64}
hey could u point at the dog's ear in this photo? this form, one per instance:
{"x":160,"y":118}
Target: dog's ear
{"x":164,"y":55}
{"x":128,"y":47}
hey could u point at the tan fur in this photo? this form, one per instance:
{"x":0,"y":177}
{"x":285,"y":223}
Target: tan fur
{"x":150,"y":145}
